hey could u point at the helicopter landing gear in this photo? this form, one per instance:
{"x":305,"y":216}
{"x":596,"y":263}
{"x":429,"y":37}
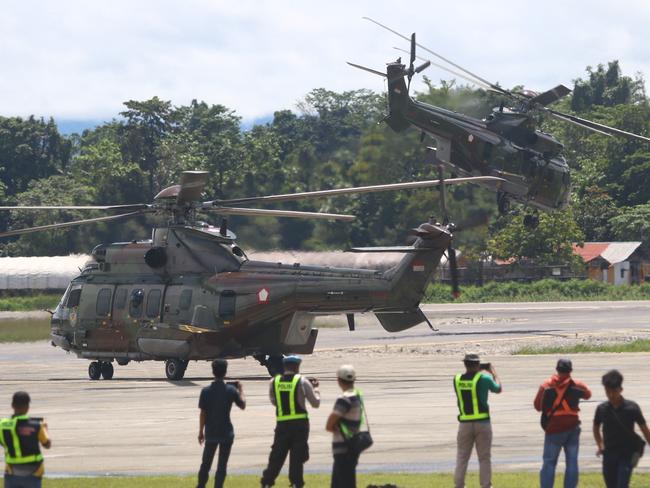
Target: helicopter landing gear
{"x":273,"y":363}
{"x":175,"y":369}
{"x":503,"y":203}
{"x":531,"y":221}
{"x":100,"y":369}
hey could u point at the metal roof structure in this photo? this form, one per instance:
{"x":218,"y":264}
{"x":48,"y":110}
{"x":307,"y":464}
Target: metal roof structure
{"x":612,"y":252}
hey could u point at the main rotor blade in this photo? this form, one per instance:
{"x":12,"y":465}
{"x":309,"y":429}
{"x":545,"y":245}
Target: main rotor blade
{"x":439,"y":56}
{"x":550,"y":96}
{"x":448,"y":70}
{"x":62,"y":225}
{"x":279,"y":213}
{"x":369,"y":70}
{"x":346,"y":191}
{"x":135,"y":206}
{"x":595,"y":126}
{"x":192,"y":184}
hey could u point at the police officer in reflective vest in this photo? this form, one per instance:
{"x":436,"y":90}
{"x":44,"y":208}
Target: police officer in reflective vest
{"x":21,"y":437}
{"x":289,"y":393}
{"x":472,"y":389}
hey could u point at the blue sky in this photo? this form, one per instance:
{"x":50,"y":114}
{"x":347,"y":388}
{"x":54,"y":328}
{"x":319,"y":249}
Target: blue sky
{"x":79,"y":60}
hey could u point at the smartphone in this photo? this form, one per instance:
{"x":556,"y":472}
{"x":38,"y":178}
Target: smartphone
{"x":486,"y":366}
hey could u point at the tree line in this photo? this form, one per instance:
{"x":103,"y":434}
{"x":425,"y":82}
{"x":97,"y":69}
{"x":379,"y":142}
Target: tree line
{"x":330,"y":140}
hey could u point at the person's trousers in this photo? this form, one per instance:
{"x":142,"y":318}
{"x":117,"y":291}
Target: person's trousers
{"x":222,"y":463}
{"x":553,"y":444}
{"x":617,"y":468}
{"x":13,"y":481}
{"x":291,"y":437}
{"x":469,"y":434}
{"x":344,"y":470}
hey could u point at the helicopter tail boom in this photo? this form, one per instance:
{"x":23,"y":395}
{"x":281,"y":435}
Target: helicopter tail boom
{"x":398,"y":98}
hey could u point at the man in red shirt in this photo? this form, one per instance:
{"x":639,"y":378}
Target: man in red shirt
{"x":558,"y":399}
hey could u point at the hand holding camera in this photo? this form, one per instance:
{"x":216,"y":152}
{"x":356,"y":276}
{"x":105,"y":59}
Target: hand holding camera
{"x":314,"y":382}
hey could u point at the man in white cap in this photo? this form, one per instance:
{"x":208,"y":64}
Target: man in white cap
{"x":347,"y":418}
{"x":289,"y":392}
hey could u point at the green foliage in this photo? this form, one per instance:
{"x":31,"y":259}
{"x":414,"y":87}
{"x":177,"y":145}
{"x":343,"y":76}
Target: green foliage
{"x":639,"y":345}
{"x":549,"y":243}
{"x":331,"y":140}
{"x":547,"y":290}
{"x":29,"y":302}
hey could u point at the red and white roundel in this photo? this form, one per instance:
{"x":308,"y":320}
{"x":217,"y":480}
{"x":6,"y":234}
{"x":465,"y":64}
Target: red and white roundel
{"x":263,"y":295}
{"x":418,"y":266}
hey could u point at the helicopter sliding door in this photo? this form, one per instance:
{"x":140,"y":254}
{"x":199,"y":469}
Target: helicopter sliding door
{"x":179,"y":300}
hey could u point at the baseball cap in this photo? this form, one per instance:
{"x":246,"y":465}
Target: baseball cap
{"x":293,"y":359}
{"x":471,"y":357}
{"x":346,"y":373}
{"x":564,"y":366}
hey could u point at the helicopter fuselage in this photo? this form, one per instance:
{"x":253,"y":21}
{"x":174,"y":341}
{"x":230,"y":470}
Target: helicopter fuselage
{"x":191,"y":294}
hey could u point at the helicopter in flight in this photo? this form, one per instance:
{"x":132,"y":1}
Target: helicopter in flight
{"x":191,"y":293}
{"x":506,"y":143}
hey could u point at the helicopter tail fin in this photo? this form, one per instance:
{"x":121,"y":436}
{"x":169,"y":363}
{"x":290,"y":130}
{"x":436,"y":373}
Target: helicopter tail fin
{"x":409,"y":278}
{"x":398,"y":97}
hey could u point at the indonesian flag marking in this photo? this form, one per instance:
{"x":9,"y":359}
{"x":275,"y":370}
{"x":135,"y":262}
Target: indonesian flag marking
{"x":418,"y":266}
{"x":263,"y":296}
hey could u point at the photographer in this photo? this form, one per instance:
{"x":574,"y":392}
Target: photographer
{"x":289,"y":392}
{"x":472,"y":388}
{"x":215,"y":427}
{"x":558,"y":399}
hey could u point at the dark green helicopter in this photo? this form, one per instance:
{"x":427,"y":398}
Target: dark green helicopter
{"x":505,"y":144}
{"x":191,"y":293}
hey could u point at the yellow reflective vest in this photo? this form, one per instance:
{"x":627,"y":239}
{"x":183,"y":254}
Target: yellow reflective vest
{"x":468,"y":404}
{"x":286,"y":398}
{"x":20,"y":448}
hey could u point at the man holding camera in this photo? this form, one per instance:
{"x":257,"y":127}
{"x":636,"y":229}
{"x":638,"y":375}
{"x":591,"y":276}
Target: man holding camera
{"x":289,"y":393}
{"x":215,"y":427}
{"x":472,"y":388}
{"x":558,"y":399}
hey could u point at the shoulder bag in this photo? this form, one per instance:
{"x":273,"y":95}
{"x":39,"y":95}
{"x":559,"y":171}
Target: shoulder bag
{"x":638,"y":444}
{"x":361,"y":440}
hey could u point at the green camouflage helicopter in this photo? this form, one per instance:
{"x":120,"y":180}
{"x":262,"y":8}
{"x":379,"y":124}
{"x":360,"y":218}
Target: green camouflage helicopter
{"x":505,"y":144}
{"x":191,"y":293}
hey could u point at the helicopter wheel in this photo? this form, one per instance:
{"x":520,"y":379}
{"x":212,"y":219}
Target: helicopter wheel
{"x":531,"y":221}
{"x":106,"y":370}
{"x":94,"y":370}
{"x":175,"y":369}
{"x":274,"y":365}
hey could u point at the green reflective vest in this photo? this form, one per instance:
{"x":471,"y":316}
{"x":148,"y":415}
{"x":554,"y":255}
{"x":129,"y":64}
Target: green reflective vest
{"x":468,"y":404}
{"x":14,"y":448}
{"x":286,"y":398}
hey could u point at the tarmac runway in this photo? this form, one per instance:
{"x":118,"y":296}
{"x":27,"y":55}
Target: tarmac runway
{"x":140,"y":423}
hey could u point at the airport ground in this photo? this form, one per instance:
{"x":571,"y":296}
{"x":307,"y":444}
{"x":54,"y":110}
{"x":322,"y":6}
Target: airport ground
{"x":140,"y":423}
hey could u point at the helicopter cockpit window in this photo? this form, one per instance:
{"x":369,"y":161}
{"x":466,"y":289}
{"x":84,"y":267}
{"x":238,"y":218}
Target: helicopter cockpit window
{"x":135,"y":305}
{"x":103,"y":306}
{"x":120,"y":299}
{"x":185,"y":300}
{"x":73,"y":299}
{"x":153,"y":303}
{"x":227,"y":304}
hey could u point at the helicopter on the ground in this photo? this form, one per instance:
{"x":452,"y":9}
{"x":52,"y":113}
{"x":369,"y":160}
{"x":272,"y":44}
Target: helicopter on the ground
{"x":506,"y":143}
{"x":191,"y":293}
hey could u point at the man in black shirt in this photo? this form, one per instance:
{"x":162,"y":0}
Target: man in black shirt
{"x":617,"y":417}
{"x":215,"y":427}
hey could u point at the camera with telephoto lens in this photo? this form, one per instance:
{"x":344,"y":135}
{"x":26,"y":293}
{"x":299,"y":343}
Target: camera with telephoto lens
{"x":486,"y":366}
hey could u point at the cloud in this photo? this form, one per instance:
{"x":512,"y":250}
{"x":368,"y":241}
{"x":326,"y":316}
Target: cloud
{"x":74,"y":59}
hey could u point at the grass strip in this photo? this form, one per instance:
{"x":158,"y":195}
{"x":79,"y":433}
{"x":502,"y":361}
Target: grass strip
{"x":538,"y":291}
{"x":28,"y":303}
{"x":24,"y":330}
{"x":402,"y":480}
{"x":639,"y":345}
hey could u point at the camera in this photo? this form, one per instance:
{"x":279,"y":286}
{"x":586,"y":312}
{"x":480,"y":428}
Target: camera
{"x":486,"y":366}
